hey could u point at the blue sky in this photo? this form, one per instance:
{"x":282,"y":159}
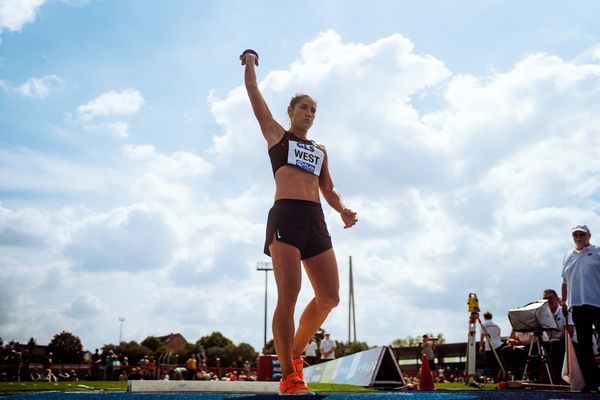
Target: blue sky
{"x":135,"y":183}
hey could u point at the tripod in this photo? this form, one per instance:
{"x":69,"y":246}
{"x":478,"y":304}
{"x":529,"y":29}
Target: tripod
{"x":536,"y":338}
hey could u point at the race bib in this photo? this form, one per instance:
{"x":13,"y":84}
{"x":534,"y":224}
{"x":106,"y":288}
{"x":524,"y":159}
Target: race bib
{"x":306,"y":156}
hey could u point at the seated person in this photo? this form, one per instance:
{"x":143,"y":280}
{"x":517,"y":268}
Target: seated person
{"x":48,"y":376}
{"x":63,"y":376}
{"x":554,"y":341}
{"x":515,"y":353}
{"x":35,"y":375}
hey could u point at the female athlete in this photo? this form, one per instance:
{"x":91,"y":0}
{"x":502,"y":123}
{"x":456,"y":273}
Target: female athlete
{"x":296,"y":229}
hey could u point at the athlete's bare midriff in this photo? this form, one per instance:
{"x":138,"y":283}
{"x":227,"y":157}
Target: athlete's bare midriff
{"x":293,"y":183}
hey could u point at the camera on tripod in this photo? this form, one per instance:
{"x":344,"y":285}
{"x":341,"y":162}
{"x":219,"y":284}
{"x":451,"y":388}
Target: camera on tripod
{"x":537,"y":318}
{"x":533,"y":317}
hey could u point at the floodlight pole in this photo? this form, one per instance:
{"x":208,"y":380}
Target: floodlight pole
{"x":351,"y":313}
{"x":121,"y":320}
{"x":265,"y":266}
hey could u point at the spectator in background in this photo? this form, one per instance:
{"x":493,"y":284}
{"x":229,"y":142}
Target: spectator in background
{"x":151,"y":367}
{"x":48,"y":361}
{"x":493,"y":337}
{"x":310,"y":352}
{"x":19,"y":366}
{"x":427,"y":347}
{"x":515,"y":353}
{"x":25,"y":366}
{"x":108,"y":365}
{"x":135,"y":374}
{"x":95,"y":367}
{"x":190,"y":366}
{"x":202,"y":374}
{"x":218,"y":365}
{"x":178,"y":373}
{"x":63,"y":376}
{"x":35,"y":375}
{"x":327,"y":348}
{"x":73,"y":375}
{"x":116,"y":368}
{"x":48,"y":376}
{"x":143,"y":366}
{"x":555,"y":340}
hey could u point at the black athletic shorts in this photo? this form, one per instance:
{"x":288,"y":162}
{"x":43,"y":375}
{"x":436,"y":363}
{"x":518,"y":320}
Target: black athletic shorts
{"x":299,"y":223}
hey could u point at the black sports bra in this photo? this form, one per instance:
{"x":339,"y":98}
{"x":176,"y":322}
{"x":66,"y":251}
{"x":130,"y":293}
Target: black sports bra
{"x":292,"y":150}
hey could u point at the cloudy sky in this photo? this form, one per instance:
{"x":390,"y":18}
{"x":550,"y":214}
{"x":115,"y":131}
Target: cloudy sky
{"x":134,"y":181}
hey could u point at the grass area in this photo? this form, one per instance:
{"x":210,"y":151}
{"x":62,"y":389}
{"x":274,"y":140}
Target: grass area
{"x":462,"y":386}
{"x":8,"y":388}
{"x":334,"y":387}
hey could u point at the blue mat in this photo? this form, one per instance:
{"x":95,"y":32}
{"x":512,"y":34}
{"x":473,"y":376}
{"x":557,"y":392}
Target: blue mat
{"x":435,"y":395}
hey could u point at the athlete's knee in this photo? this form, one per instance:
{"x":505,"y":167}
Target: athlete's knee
{"x":329,"y":301}
{"x":288,"y":296}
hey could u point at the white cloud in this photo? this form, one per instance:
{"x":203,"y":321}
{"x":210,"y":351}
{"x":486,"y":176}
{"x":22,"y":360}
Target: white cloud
{"x":121,"y":240}
{"x":35,"y":87}
{"x":455,"y":200}
{"x":119,"y":129}
{"x":165,"y":177}
{"x":16,"y":13}
{"x":176,"y":165}
{"x":125,"y":102}
{"x":40,"y":87}
{"x":98,"y":115}
{"x":116,"y":129}
{"x":84,"y":306}
{"x":24,"y":170}
{"x":474,"y":192}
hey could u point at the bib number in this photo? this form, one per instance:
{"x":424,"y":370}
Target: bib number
{"x":305,"y":156}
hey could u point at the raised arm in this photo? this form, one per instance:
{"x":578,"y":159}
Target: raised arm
{"x":332,"y":196}
{"x":271,"y":130}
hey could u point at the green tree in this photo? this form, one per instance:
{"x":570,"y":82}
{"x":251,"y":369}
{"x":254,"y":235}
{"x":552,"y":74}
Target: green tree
{"x":215,"y":339}
{"x":188,"y":350}
{"x":411,"y":341}
{"x":440,"y":338}
{"x":247,"y":352}
{"x":66,"y":348}
{"x":152,"y":342}
{"x":269,"y":348}
{"x":133,"y":351}
{"x":408,"y":341}
{"x":344,"y":349}
{"x":216,"y":346}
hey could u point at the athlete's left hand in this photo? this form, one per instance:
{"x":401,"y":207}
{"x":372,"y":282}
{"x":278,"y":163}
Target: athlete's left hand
{"x":349,"y":217}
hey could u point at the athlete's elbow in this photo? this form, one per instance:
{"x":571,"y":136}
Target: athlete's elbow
{"x":328,"y":192}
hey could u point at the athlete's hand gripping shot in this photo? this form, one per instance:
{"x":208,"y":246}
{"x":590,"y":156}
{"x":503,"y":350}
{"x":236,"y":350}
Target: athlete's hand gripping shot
{"x":296,"y":229}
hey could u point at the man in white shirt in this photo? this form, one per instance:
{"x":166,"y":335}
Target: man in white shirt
{"x":310,"y":352}
{"x":581,"y":291}
{"x":327,"y":348}
{"x":493,"y":333}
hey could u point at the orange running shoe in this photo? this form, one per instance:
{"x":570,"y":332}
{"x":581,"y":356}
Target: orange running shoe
{"x":298,"y":364}
{"x":292,"y":384}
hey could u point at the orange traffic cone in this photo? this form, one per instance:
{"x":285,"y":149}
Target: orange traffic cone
{"x":426,"y":379}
